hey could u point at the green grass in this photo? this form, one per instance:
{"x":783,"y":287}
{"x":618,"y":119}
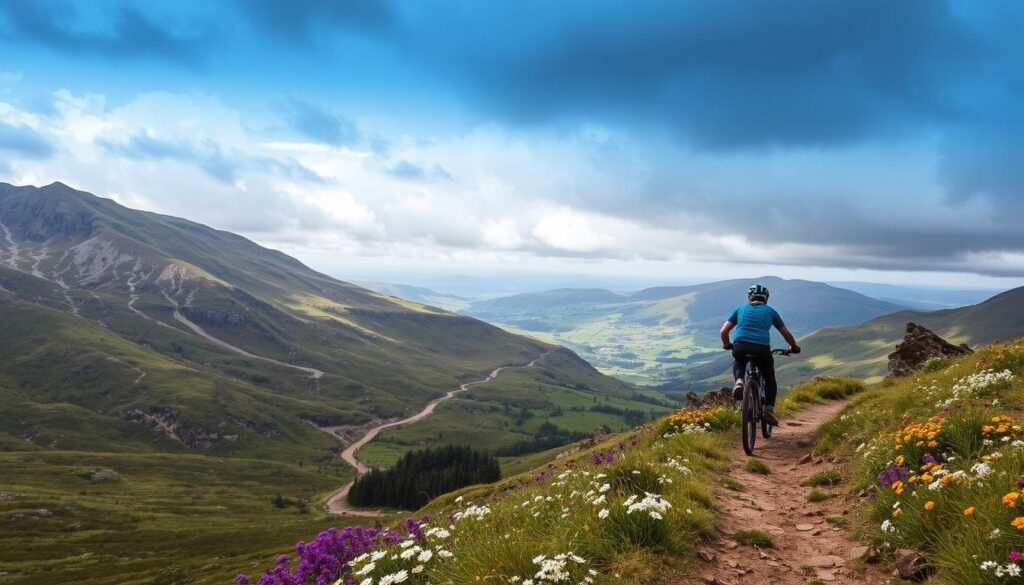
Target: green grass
{"x":757,"y":538}
{"x":732,"y":484}
{"x":819,"y":496}
{"x":491,"y":415}
{"x":526,"y":518}
{"x":818,"y":391}
{"x":757,"y":466}
{"x":167,"y":518}
{"x":822,"y":478}
{"x":963,"y":522}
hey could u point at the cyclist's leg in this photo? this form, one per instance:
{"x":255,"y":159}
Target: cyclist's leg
{"x":739,"y":365}
{"x":766,"y":363}
{"x":771,"y":386}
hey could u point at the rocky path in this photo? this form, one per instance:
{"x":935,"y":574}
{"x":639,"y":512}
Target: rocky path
{"x":807,"y":546}
{"x":338,"y":502}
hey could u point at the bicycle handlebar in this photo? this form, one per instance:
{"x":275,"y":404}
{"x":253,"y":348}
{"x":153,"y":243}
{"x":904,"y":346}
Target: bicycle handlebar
{"x":785,"y":352}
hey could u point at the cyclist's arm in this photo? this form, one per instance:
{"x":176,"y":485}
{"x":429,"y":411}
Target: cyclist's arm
{"x":788,"y":336}
{"x":726,"y":328}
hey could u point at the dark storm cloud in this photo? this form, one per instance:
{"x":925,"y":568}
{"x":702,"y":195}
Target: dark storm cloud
{"x":319,"y":125}
{"x":23,"y":141}
{"x":224,"y":166}
{"x":721,"y":75}
{"x":127,"y":32}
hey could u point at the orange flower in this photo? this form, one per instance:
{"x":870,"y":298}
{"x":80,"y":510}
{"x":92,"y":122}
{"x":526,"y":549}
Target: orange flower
{"x":1010,"y":499}
{"x":929,"y":505}
{"x":1018,"y":523}
{"x":969,"y":511}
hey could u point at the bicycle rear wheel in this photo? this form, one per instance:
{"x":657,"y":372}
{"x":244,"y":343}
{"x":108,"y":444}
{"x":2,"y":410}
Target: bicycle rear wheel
{"x":748,"y":410}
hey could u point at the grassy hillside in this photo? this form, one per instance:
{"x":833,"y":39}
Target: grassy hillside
{"x":164,"y":349}
{"x":656,"y":335}
{"x":164,"y":519}
{"x":635,"y":516}
{"x":635,"y":508}
{"x":941,"y":456}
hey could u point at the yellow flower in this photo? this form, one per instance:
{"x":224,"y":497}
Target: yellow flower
{"x":969,"y":511}
{"x":1018,"y":523}
{"x":900,"y":460}
{"x":929,"y":505}
{"x":897,"y":513}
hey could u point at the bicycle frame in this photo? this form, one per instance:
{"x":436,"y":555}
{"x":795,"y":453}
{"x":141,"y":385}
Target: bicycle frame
{"x":753,"y":404}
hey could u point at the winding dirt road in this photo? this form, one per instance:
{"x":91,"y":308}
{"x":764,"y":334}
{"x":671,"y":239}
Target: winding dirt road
{"x":811,"y":539}
{"x":338,"y":502}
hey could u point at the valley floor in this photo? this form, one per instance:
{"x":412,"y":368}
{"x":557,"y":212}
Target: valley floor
{"x":810,"y":539}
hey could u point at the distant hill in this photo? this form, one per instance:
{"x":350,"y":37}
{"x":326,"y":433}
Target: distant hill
{"x":862,"y":350}
{"x":129,"y":330}
{"x":653,"y":335}
{"x":920,"y":298}
{"x":418,"y":294}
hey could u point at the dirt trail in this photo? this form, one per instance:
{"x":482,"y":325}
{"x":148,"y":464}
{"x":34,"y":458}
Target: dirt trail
{"x":807,"y":547}
{"x":338,"y":502}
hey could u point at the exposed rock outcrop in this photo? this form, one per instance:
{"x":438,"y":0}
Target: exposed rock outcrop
{"x":918,"y":346}
{"x":720,"y":397}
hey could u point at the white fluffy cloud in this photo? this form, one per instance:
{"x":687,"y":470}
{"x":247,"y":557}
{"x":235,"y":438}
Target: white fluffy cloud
{"x":487,"y":194}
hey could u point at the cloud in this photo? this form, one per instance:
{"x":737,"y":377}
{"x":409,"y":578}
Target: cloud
{"x":124,"y":32}
{"x":720,"y":76}
{"x":207,"y":155}
{"x":309,"y":20}
{"x":23,"y":141}
{"x":408,"y":171}
{"x":319,"y":125}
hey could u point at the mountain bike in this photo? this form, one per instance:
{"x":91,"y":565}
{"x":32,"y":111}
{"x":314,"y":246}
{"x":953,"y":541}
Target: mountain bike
{"x":752,"y":406}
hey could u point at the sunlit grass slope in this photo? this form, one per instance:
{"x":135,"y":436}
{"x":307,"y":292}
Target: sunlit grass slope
{"x":941,"y":457}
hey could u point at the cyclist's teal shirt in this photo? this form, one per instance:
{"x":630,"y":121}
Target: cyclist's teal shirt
{"x":754,"y":323}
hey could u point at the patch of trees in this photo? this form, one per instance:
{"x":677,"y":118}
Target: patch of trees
{"x":422,"y":475}
{"x":638,"y":397}
{"x":632,"y":417}
{"x":548,"y":436}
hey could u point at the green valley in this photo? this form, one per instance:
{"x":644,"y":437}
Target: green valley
{"x":195,"y":367}
{"x":655,"y":336}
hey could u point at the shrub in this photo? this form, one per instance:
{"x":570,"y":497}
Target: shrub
{"x":754,"y":538}
{"x":818,"y":496}
{"x":758,"y":466}
{"x":822,"y":478}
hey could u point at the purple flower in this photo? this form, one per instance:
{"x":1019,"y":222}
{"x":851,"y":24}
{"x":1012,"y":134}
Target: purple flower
{"x":929,"y":458}
{"x":1015,"y":556}
{"x":242,"y":579}
{"x":892,"y":474}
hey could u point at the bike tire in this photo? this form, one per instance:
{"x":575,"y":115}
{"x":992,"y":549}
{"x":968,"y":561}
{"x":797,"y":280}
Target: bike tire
{"x":748,"y":409}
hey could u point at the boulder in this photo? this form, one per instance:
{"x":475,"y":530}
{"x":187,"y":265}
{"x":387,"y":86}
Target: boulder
{"x":918,"y":346}
{"x":721,"y":397}
{"x":913,"y":566}
{"x":104,"y":475}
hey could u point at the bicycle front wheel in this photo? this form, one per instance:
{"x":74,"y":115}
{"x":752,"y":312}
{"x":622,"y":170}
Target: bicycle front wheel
{"x":748,"y":409}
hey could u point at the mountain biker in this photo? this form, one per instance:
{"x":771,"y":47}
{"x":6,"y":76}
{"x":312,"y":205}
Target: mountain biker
{"x":753,"y":323}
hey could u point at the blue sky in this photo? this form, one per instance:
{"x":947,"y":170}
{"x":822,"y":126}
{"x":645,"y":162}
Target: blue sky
{"x":828,"y":139}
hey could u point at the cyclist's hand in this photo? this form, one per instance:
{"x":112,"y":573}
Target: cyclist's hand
{"x":794,"y":349}
{"x":726,"y":346}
